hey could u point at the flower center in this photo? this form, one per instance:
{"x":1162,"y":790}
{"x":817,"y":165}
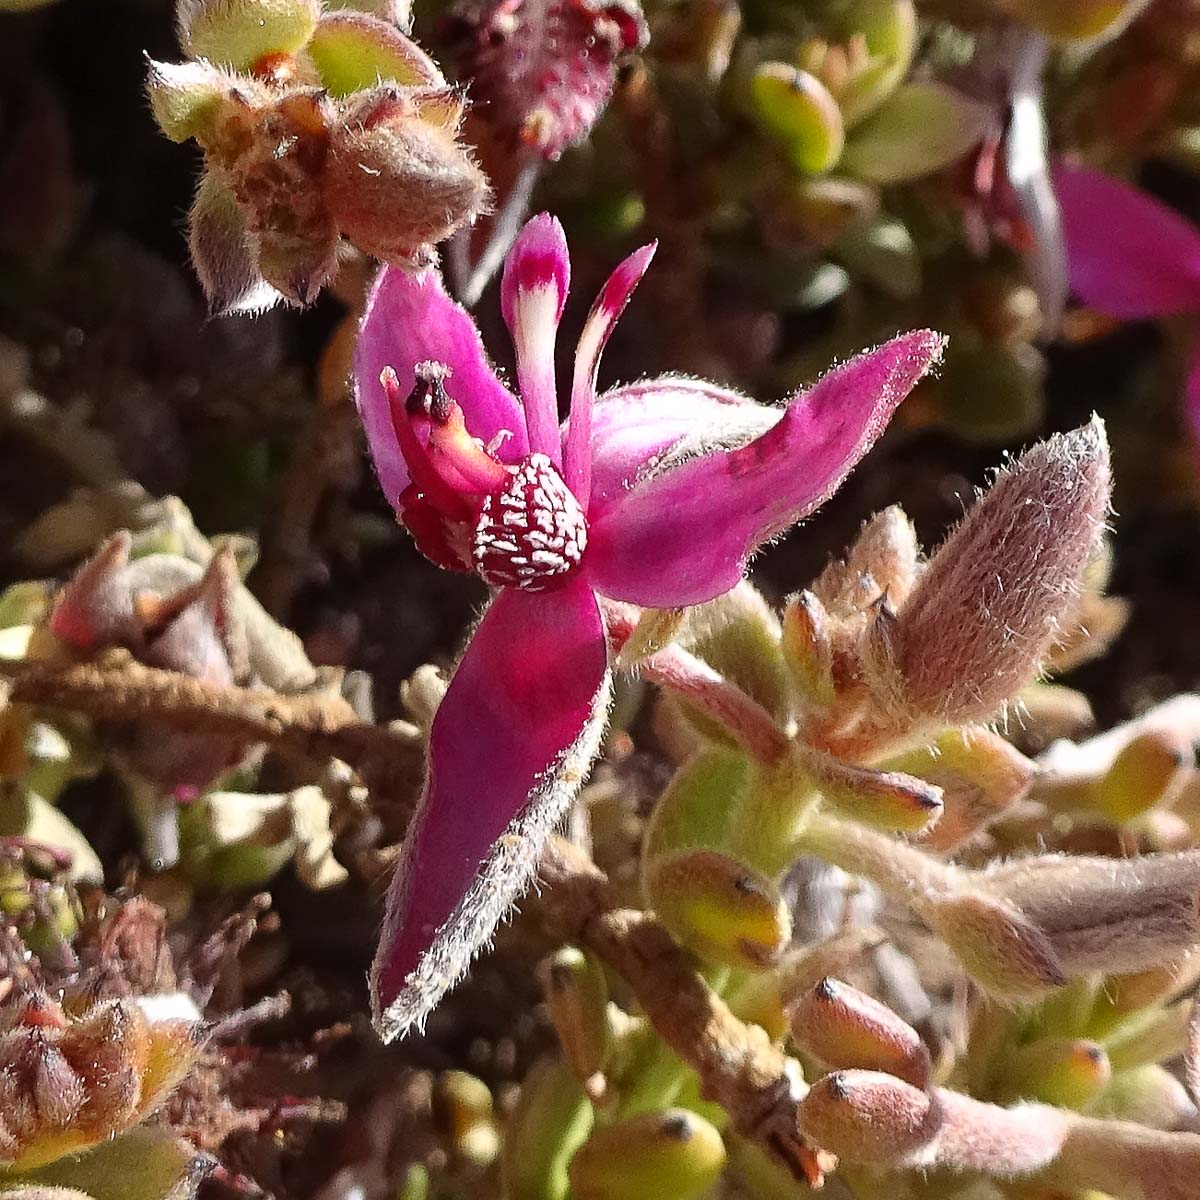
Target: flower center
{"x":516,"y":525}
{"x":531,"y":533}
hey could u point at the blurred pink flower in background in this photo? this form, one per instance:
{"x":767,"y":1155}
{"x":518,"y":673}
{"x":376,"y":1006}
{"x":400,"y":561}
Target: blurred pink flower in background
{"x":1131,"y":257}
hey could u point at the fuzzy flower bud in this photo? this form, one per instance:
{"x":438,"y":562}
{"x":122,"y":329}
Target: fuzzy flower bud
{"x":1105,"y":914}
{"x":542,"y":71}
{"x":865,"y":1116}
{"x":981,"y":620}
{"x":980,"y":774}
{"x":315,"y":127}
{"x":882,"y":799}
{"x":70,"y":1083}
{"x":808,"y":651}
{"x":1000,"y":948}
{"x":844,"y":1027}
{"x":396,"y":181}
{"x":868,"y":1116}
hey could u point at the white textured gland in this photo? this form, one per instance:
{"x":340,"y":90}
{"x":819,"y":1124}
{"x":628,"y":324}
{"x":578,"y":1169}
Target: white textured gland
{"x":532,"y":533}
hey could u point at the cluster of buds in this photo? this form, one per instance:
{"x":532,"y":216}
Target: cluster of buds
{"x":928,"y":649}
{"x":879,"y":1105}
{"x":318,"y":129}
{"x":861,"y":715}
{"x":71,"y":1081}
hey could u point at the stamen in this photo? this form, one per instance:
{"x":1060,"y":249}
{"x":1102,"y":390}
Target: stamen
{"x":424,"y":475}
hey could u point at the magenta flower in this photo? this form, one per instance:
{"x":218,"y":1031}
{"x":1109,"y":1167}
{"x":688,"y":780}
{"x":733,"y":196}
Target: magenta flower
{"x":655,"y":493}
{"x":1131,"y":256}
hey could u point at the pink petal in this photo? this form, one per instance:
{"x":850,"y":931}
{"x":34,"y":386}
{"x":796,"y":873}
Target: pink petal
{"x":533,"y":291}
{"x":410,"y":319}
{"x":1130,"y":255}
{"x":637,"y":426}
{"x":510,"y":743}
{"x":684,"y":533}
{"x":606,"y":311}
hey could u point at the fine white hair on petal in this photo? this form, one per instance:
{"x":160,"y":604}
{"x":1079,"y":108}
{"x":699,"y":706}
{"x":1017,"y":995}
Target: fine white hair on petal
{"x":502,"y":879}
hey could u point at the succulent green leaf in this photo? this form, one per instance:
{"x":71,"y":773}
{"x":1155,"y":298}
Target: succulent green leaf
{"x":720,"y":908}
{"x":694,"y":809}
{"x":797,"y":109}
{"x":890,"y":30}
{"x":922,"y":128}
{"x":991,"y":394}
{"x":551,"y":1121}
{"x":237,"y":33}
{"x":146,"y":1164}
{"x":881,"y":252}
{"x":671,"y":1153}
{"x":354,"y":51}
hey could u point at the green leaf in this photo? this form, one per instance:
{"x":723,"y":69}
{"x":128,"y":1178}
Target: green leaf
{"x":739,"y":635}
{"x":882,"y":252}
{"x":695,"y":807}
{"x":991,"y":394}
{"x":673,"y":1153}
{"x":237,"y":33}
{"x":146,"y":1164}
{"x":890,"y":30}
{"x":354,"y":51}
{"x":720,"y":908}
{"x":922,"y":128}
{"x":551,"y":1120}
{"x":797,"y":109}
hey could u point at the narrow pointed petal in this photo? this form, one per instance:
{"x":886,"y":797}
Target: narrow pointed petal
{"x":1130,"y":255}
{"x":684,"y":534}
{"x":410,"y":319}
{"x":638,"y":427}
{"x":533,"y":291}
{"x":511,"y":742}
{"x":606,"y":311}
